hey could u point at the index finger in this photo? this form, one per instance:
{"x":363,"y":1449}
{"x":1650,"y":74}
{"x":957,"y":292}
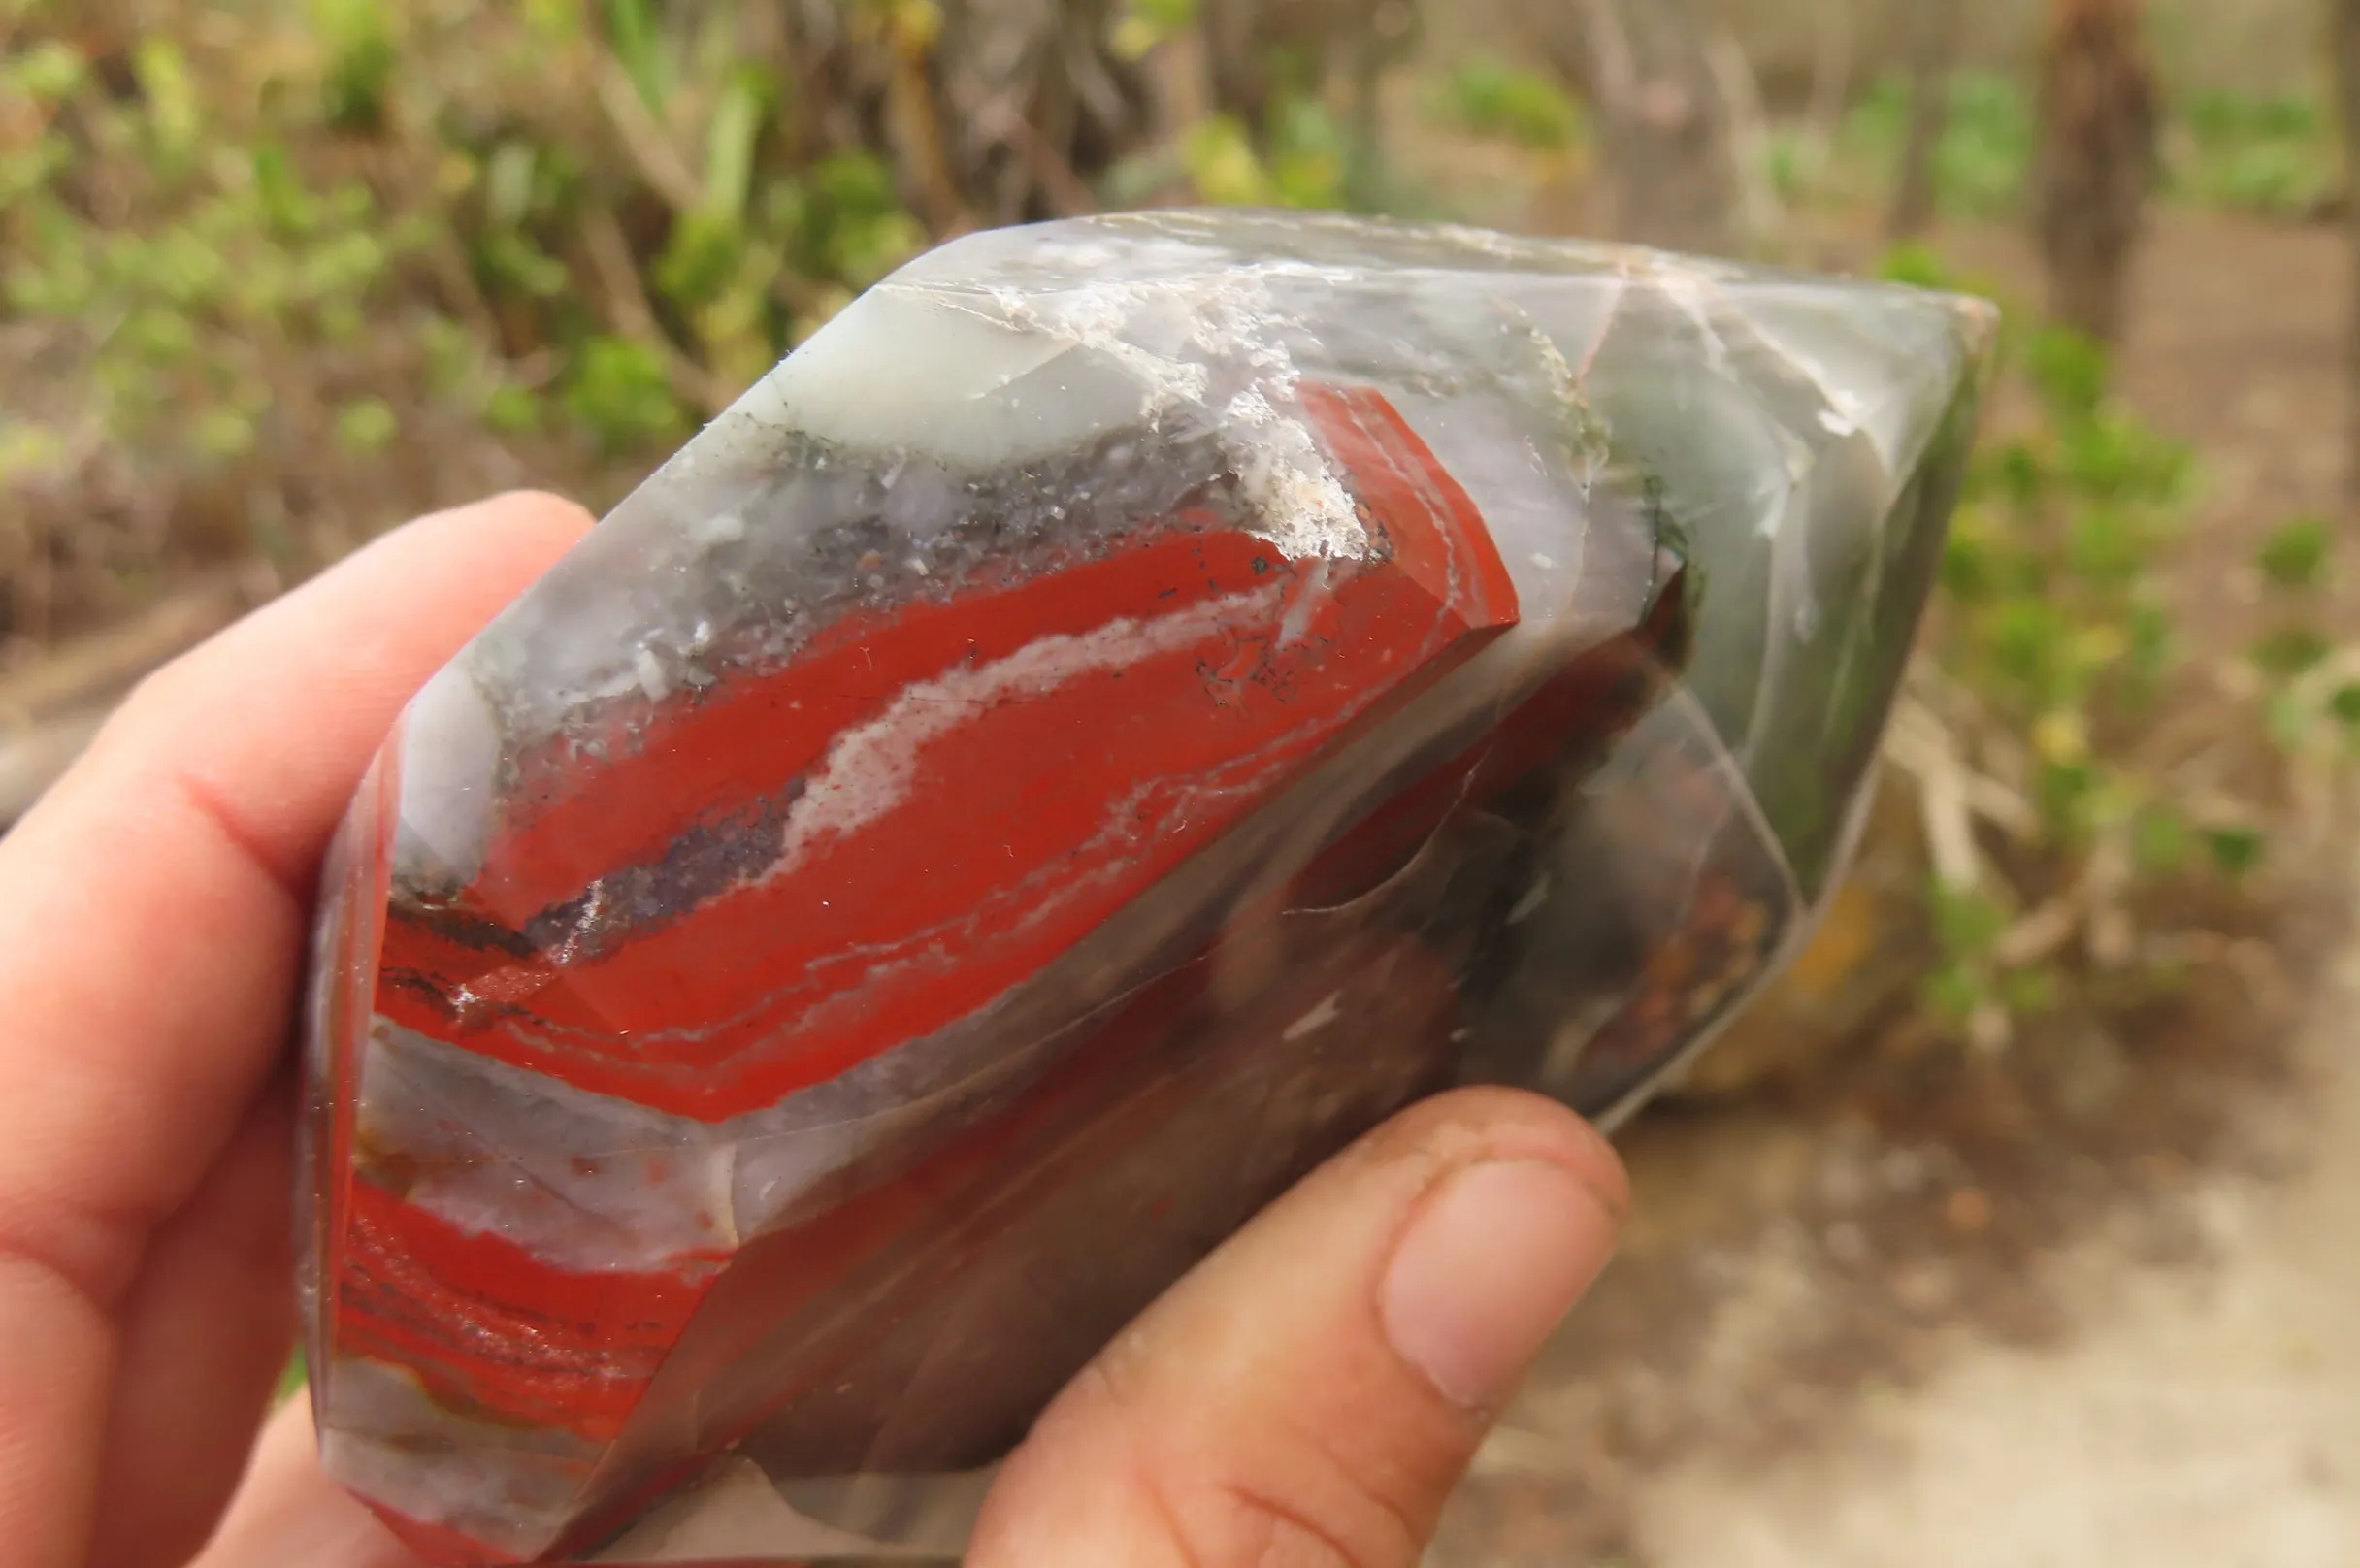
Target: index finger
{"x":152,"y":915}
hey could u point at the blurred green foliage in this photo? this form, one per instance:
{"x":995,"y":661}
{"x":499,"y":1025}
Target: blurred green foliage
{"x":1308,"y":163}
{"x":2273,"y":155}
{"x":1146,"y":23}
{"x":2311,"y":679}
{"x":2054,"y":640}
{"x":1528,"y":109}
{"x":336,"y":225}
{"x":1985,"y":151}
{"x":253,"y":265}
{"x":2270,"y":154}
{"x":2296,"y":555}
{"x":301,"y":227}
{"x":2052,"y":623}
{"x":235,"y":259}
{"x":318,"y":226}
{"x":2051,"y":579}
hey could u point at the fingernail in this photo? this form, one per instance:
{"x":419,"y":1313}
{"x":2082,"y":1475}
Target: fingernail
{"x":1488,"y":1267}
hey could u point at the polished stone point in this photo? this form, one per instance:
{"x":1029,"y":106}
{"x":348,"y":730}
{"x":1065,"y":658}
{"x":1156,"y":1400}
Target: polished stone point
{"x":1128,"y":705}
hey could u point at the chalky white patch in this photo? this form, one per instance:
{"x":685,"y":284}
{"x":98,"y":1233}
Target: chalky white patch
{"x":857,"y":383}
{"x":448,"y":766}
{"x":1301,"y":505}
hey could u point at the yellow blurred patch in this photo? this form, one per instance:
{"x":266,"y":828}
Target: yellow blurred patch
{"x":2061,"y":737}
{"x":1847,"y":936}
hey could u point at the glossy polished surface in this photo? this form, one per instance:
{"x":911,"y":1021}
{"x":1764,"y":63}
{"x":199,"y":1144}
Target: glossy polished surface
{"x":1128,"y":705}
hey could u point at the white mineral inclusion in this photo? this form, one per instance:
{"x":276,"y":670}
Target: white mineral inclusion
{"x":1318,"y":1018}
{"x":869,"y":769}
{"x":912,"y":370}
{"x":1305,"y":511}
{"x":980,"y":375}
{"x":449,"y":764}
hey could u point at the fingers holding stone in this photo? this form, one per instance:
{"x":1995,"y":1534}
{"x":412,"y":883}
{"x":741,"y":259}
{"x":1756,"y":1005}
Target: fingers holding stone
{"x":1313,"y":1391}
{"x":288,"y":1512}
{"x":149,"y":942}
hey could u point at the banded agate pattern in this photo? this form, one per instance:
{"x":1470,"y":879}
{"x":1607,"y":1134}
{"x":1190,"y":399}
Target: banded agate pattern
{"x":1128,"y":705}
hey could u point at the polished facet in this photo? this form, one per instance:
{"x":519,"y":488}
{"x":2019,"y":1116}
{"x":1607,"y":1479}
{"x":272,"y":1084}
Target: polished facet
{"x":1128,"y":705}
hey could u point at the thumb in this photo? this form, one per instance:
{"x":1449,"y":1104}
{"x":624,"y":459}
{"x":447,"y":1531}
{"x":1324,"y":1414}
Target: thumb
{"x":1312,"y":1392}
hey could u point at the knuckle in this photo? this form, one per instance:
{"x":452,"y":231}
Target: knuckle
{"x":1280,"y":1496}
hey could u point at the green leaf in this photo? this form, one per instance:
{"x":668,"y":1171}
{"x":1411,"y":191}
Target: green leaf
{"x":1169,"y":16}
{"x":1917,"y":264}
{"x":1222,"y":165}
{"x":2107,"y":544}
{"x":2030,"y":991}
{"x":730,"y":138}
{"x":516,"y":260}
{"x":1492,"y":98}
{"x":638,"y":43}
{"x":1144,"y":24}
{"x":2023,"y":475}
{"x":2110,"y":456}
{"x":2296,"y":555}
{"x":1967,"y":921}
{"x":362,"y":60}
{"x":367,"y":425}
{"x":1957,"y":992}
{"x":508,"y":181}
{"x":224,"y":432}
{"x":2069,"y":370}
{"x":173,"y":117}
{"x":2066,"y":793}
{"x":48,"y":70}
{"x":512,"y":411}
{"x":2159,"y":840}
{"x":2288,"y":722}
{"x":1986,"y":147}
{"x":619,"y":393}
{"x":29,"y":450}
{"x":559,"y":19}
{"x":286,"y":206}
{"x":2031,"y":642}
{"x":2148,"y":658}
{"x":700,"y":258}
{"x":2237,"y":851}
{"x":2289,"y":650}
{"x":2270,"y":154}
{"x":1971,"y":561}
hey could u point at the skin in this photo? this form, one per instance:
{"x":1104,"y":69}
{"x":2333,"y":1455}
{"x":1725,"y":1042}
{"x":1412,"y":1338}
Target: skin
{"x":1309,"y":1395}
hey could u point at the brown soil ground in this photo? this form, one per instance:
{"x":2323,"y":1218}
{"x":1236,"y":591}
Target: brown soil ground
{"x":2088,"y":1300}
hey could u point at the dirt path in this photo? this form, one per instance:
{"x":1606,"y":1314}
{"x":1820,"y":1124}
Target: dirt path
{"x":2096,"y":1302}
{"x":2202,"y":1416}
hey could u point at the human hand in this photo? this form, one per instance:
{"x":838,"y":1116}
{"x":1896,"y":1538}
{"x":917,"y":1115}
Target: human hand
{"x":1309,"y":1394}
